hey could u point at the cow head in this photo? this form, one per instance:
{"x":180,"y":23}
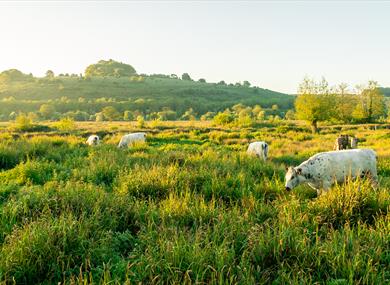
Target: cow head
{"x":293,"y":177}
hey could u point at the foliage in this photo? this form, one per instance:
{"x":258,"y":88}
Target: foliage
{"x":109,"y":68}
{"x":314,"y":102}
{"x":140,"y":122}
{"x":370,"y":104}
{"x":223,"y":119}
{"x":47,"y":111}
{"x":186,"y":76}
{"x":110,"y":113}
{"x":65,"y":124}
{"x":14,"y":75}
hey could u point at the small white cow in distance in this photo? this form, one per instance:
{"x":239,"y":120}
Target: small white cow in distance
{"x":324,"y":169}
{"x":260,"y":149}
{"x":93,"y":140}
{"x":131,"y":139}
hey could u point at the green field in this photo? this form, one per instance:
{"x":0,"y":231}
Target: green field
{"x":188,"y":207}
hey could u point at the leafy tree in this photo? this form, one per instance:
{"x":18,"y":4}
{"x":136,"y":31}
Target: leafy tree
{"x":244,"y":118}
{"x":345,"y":103}
{"x":246,"y":84}
{"x":23,"y":122}
{"x":290,"y":115}
{"x":47,"y":111}
{"x":314,"y":102}
{"x":222,"y":82}
{"x":238,"y":107}
{"x":371,"y":103}
{"x":128,"y":115}
{"x":110,"y":113}
{"x":140,"y":122}
{"x":110,"y":68}
{"x":207,"y":116}
{"x":167,"y":115}
{"x":186,"y":76}
{"x":256,"y":110}
{"x":13,"y":75}
{"x":202,"y":80}
{"x":189,"y":115}
{"x":65,"y":124}
{"x":99,"y":117}
{"x":49,"y":74}
{"x":223,"y":118}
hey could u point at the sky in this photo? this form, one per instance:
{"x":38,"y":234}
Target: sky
{"x":273,"y":45}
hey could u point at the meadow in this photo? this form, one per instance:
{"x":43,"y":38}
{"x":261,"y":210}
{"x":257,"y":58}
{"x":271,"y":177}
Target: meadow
{"x":188,"y":207}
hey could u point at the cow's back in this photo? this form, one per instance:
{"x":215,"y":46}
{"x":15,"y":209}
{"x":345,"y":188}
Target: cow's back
{"x":348,"y":162}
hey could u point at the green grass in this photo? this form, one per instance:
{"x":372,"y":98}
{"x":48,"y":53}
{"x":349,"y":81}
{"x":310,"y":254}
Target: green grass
{"x":188,"y":207}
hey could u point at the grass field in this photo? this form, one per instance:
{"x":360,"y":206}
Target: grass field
{"x":188,"y":207}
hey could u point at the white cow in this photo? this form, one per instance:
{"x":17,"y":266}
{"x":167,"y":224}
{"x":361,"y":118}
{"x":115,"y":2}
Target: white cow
{"x":326,"y":168}
{"x":130,"y":139}
{"x":93,"y":140}
{"x":260,"y":149}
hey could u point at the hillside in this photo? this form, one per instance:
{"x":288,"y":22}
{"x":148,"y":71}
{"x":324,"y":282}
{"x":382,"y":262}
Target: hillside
{"x":385,"y":91}
{"x":143,"y":94}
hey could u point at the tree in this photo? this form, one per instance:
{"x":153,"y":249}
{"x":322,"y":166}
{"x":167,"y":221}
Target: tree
{"x":186,"y":76}
{"x":314,"y":102}
{"x":345,"y":102}
{"x":371,"y":103}
{"x":110,"y":113}
{"x":99,"y":117}
{"x":290,"y":115}
{"x":140,"y":121}
{"x":256,"y":110}
{"x":110,"y":68}
{"x":222,"y":82}
{"x":246,"y":84}
{"x":23,"y":122}
{"x":238,"y":107}
{"x":127,"y":116}
{"x":202,"y":80}
{"x":189,"y":115}
{"x":223,"y":118}
{"x":207,"y":116}
{"x":47,"y":111}
{"x":49,"y":74}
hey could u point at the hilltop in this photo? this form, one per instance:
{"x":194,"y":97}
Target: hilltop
{"x":140,"y":93}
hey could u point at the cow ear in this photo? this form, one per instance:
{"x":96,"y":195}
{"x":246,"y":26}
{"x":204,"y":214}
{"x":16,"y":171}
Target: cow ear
{"x":286,"y":168}
{"x":299,"y":170}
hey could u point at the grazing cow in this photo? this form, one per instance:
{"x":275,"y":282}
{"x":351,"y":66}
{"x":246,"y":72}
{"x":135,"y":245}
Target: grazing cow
{"x":324,"y":169}
{"x":260,"y":149}
{"x":133,"y":138}
{"x":342,"y":142}
{"x":93,"y":140}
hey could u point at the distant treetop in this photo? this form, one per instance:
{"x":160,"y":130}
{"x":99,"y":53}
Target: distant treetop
{"x":110,"y":68}
{"x":14,"y":75}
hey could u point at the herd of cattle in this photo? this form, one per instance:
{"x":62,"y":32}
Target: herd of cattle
{"x":320,"y":171}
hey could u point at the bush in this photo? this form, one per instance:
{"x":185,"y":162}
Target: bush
{"x":65,"y":125}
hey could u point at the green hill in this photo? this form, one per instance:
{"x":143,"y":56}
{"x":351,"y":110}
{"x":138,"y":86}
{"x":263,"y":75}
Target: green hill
{"x":139,"y":94}
{"x":385,"y":91}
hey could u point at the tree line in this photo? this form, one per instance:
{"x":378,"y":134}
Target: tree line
{"x":317,"y":102}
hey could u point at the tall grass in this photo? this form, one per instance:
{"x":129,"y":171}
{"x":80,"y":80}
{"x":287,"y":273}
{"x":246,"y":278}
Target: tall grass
{"x":190,"y":207}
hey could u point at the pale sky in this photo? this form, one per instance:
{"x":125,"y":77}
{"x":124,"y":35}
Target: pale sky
{"x":270,"y":44}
